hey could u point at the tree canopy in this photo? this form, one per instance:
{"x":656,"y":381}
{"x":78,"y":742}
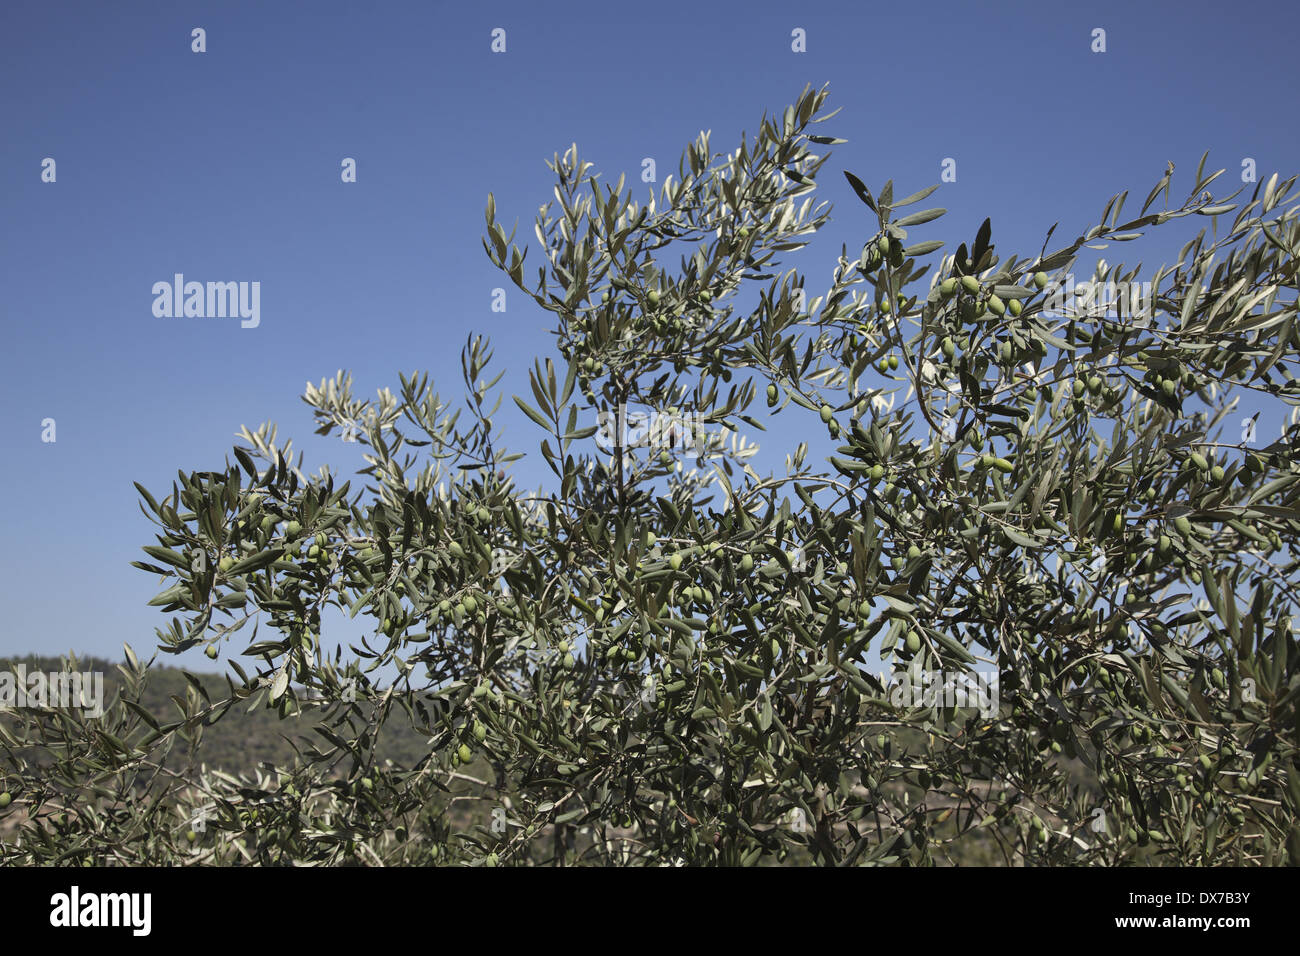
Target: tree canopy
{"x":664,"y":655}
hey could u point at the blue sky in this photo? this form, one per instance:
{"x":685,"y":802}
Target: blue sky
{"x":225,"y":165}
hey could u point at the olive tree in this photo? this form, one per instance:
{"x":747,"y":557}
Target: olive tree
{"x":666,"y":655}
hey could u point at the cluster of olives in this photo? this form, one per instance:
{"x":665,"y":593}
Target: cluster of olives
{"x":884,"y":248}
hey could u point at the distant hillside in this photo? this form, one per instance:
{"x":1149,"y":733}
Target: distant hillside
{"x":240,"y":740}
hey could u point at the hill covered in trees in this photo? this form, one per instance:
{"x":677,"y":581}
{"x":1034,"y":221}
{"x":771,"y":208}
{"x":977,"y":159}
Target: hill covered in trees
{"x":240,"y":741}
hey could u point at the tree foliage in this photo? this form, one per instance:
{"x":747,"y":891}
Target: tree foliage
{"x":664,"y":655}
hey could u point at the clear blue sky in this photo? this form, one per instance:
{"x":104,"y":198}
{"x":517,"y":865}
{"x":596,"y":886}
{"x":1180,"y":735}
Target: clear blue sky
{"x":225,"y":166}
